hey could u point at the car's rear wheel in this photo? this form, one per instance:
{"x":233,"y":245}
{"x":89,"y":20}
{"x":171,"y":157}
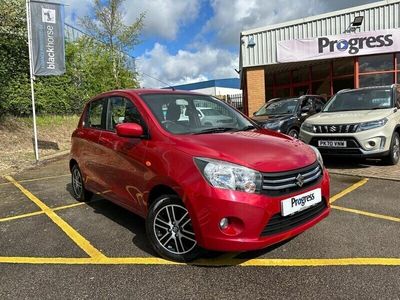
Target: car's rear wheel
{"x":294,"y":133}
{"x":79,"y":191}
{"x":394,"y":154}
{"x":169,"y":230}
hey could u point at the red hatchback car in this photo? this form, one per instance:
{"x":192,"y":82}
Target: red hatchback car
{"x":226,"y":186}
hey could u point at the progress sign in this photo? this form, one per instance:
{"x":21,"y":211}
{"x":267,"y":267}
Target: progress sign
{"x":354,"y":44}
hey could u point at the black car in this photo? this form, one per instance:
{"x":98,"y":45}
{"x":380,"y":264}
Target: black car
{"x":286,"y":114}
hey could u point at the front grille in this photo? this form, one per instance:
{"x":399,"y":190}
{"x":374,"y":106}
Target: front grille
{"x":352,"y":146}
{"x":344,"y":128}
{"x":277,"y":184}
{"x":278,"y":224}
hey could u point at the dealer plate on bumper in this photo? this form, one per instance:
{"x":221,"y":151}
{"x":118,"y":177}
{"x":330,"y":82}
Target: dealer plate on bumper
{"x":300,"y":202}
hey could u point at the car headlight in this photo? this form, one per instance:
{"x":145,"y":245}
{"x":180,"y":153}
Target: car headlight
{"x":318,"y":154}
{"x":225,"y":175}
{"x":371,"y":125}
{"x":273,"y":125}
{"x":307,"y":127}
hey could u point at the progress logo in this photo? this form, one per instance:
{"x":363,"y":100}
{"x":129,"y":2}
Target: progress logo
{"x":353,"y":45}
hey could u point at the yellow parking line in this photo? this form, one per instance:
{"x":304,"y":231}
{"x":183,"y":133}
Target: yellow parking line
{"x":36,"y":179}
{"x":260,"y":262}
{"x":69,"y":206}
{"x":71,"y":232}
{"x":349,"y":190}
{"x":39,"y":212}
{"x":22,"y":216}
{"x":366,"y":213}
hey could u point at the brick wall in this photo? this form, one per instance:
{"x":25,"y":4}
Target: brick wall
{"x":255,"y":89}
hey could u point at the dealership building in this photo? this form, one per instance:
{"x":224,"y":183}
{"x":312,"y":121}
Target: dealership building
{"x":350,"y":48}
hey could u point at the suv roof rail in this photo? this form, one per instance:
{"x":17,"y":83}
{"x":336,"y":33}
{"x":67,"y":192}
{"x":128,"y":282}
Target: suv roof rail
{"x":344,"y":90}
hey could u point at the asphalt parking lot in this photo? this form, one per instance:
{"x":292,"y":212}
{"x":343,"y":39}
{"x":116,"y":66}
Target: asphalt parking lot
{"x":52,"y":246}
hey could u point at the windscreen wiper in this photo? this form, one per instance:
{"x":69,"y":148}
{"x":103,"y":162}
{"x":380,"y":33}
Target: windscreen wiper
{"x":215,"y":130}
{"x":246,"y":128}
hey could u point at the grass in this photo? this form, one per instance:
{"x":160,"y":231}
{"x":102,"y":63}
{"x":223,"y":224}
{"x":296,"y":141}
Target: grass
{"x":16,"y":139}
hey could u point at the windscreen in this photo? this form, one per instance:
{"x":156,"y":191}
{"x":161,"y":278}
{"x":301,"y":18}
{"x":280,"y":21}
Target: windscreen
{"x":281,"y":107}
{"x":180,"y":114}
{"x":366,"y":99}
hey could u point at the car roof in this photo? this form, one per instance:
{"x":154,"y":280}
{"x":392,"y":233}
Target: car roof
{"x":369,"y":88}
{"x":149,"y":91}
{"x":294,"y":97}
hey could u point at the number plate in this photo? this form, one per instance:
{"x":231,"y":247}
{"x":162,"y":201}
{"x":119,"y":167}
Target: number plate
{"x":300,"y":202}
{"x":334,"y":144}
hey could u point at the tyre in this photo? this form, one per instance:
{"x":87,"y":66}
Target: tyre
{"x":169,"y":230}
{"x":78,"y":188}
{"x":394,"y":153}
{"x":294,"y":133}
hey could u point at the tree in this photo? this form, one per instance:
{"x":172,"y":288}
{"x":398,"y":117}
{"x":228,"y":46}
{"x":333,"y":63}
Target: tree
{"x":14,"y":62}
{"x":107,"y":27}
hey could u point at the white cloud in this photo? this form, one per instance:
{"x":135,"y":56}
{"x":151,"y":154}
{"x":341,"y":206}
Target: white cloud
{"x":75,"y":9}
{"x":163,"y":17}
{"x":185,"y":66}
{"x":233,"y":16}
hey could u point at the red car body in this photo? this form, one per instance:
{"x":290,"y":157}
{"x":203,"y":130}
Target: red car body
{"x":132,"y":172}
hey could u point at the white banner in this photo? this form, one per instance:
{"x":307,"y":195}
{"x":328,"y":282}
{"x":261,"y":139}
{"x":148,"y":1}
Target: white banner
{"x":344,"y":45}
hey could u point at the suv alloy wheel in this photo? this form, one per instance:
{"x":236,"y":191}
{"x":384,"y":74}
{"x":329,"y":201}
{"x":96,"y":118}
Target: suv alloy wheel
{"x":394,"y":154}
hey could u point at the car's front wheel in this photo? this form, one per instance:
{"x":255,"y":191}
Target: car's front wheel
{"x":79,"y":191}
{"x":294,"y":133}
{"x":169,"y":230}
{"x":394,"y":153}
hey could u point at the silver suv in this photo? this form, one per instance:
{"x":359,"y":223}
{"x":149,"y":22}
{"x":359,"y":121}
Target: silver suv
{"x":361,"y":122}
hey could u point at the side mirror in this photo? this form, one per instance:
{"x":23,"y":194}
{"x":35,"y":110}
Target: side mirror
{"x":254,"y":113}
{"x":305,"y":109}
{"x":132,"y":130}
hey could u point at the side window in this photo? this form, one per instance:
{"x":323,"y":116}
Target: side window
{"x":318,"y":104}
{"x":122,"y":110}
{"x":94,"y":117}
{"x":307,"y":103}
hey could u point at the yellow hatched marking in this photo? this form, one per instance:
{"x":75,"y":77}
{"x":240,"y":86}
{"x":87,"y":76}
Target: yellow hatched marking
{"x":71,"y":232}
{"x":349,"y":190}
{"x":366,"y":213}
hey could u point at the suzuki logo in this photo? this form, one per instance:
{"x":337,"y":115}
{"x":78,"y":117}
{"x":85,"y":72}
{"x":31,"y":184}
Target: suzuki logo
{"x":300,"y":180}
{"x":332,"y":129}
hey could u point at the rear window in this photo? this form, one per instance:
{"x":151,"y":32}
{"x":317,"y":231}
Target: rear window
{"x":95,"y":115}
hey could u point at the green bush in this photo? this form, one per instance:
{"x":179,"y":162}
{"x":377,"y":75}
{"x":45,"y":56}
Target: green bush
{"x":89,"y":65}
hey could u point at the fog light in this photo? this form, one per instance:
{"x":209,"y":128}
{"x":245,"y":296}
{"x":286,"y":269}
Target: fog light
{"x":224,"y":223}
{"x":372,"y":143}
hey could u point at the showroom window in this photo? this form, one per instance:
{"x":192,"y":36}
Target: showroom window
{"x":375,"y":63}
{"x":343,"y":67}
{"x":377,"y":69}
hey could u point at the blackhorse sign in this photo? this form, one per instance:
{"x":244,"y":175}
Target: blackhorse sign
{"x":45,"y":22}
{"x":48,"y":53}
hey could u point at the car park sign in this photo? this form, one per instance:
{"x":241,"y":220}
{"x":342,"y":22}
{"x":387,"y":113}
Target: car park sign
{"x":360,"y":43}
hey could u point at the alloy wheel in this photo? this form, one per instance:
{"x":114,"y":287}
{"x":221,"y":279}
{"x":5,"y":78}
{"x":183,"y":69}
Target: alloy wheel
{"x":77,"y":182}
{"x":173,"y":229}
{"x":396,"y":148}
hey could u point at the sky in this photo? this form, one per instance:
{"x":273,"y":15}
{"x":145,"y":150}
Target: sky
{"x":185,"y":41}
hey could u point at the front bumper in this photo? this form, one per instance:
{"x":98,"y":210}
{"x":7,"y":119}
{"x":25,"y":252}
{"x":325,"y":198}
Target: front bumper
{"x":357,"y":143}
{"x":250,"y":214}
